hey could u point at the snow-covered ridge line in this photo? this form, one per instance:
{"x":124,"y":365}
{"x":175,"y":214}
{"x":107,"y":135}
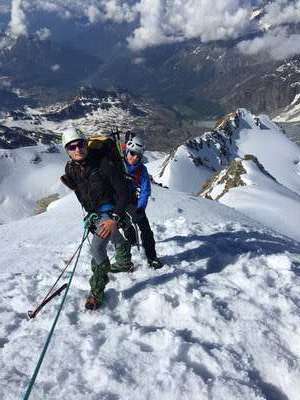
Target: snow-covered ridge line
{"x":246,"y":186}
{"x":214,"y":150}
{"x":291,"y":113}
{"x":269,"y":195}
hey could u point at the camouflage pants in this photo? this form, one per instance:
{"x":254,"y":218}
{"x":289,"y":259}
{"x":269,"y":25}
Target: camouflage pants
{"x":100,"y":264}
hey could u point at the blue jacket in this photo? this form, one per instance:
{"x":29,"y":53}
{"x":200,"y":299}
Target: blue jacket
{"x":143,"y":187}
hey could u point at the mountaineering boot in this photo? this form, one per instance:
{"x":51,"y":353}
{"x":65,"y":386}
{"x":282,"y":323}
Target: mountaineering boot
{"x":98,"y":281}
{"x":123,"y":259}
{"x":155,"y":263}
{"x":92,"y":303}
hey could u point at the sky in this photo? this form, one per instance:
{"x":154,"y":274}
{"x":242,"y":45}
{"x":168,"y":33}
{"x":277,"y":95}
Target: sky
{"x":170,"y":21}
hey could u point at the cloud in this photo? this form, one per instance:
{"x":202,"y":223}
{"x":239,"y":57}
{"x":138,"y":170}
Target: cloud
{"x":159,"y":21}
{"x":94,"y":10}
{"x":43,"y":33}
{"x":138,"y":60}
{"x":17,"y":24}
{"x":165,"y":21}
{"x":118,"y":11}
{"x":55,"y":67}
{"x":278,"y":44}
{"x":115,"y":10}
{"x":282,"y":12}
{"x":94,"y":14}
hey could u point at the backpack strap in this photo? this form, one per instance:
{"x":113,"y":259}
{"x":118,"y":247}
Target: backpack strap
{"x":138,"y":175}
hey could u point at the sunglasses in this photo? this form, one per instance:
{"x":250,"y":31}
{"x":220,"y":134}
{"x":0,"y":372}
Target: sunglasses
{"x":74,"y":146}
{"x":133,"y":153}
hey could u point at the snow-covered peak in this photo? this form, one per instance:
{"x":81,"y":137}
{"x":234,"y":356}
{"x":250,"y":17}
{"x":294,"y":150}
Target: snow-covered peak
{"x":234,"y":136}
{"x":264,"y":186}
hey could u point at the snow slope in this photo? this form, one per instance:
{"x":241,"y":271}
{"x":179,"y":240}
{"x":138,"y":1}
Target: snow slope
{"x":279,"y":156}
{"x":219,"y":321}
{"x":292,"y":112}
{"x":27,"y":175}
{"x":179,"y":172}
{"x":257,"y":195}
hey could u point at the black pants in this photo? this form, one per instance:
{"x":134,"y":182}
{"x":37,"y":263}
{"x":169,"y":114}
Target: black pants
{"x":147,"y":237}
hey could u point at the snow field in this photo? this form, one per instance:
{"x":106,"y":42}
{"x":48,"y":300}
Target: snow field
{"x":219,"y":321}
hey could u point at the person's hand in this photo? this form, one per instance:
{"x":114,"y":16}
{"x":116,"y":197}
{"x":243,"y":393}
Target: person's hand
{"x":107,"y":228}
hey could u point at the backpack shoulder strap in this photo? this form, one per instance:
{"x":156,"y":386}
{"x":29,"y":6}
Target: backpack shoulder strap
{"x":138,"y":175}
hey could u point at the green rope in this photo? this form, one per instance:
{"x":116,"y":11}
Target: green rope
{"x":38,"y":366}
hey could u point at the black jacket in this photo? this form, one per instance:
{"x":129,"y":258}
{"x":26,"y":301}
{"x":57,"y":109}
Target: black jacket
{"x":97,"y":181}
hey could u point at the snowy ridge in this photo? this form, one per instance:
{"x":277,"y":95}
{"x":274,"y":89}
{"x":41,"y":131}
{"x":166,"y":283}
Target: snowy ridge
{"x":292,"y":112}
{"x":246,"y":186}
{"x":276,"y":204}
{"x":200,"y":157}
{"x":219,"y":321}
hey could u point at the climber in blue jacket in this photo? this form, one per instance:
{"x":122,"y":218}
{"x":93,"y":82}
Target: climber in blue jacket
{"x":141,"y":191}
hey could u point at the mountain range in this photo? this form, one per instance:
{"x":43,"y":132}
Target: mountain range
{"x":96,"y":111}
{"x":194,"y":78}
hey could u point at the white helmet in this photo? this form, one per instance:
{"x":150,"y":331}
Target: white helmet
{"x":71,"y":134}
{"x":136,"y":144}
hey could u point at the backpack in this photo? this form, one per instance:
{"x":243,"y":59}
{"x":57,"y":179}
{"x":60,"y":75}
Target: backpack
{"x":103,"y":145}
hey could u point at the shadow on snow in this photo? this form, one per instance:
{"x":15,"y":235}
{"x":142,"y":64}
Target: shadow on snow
{"x":219,"y":250}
